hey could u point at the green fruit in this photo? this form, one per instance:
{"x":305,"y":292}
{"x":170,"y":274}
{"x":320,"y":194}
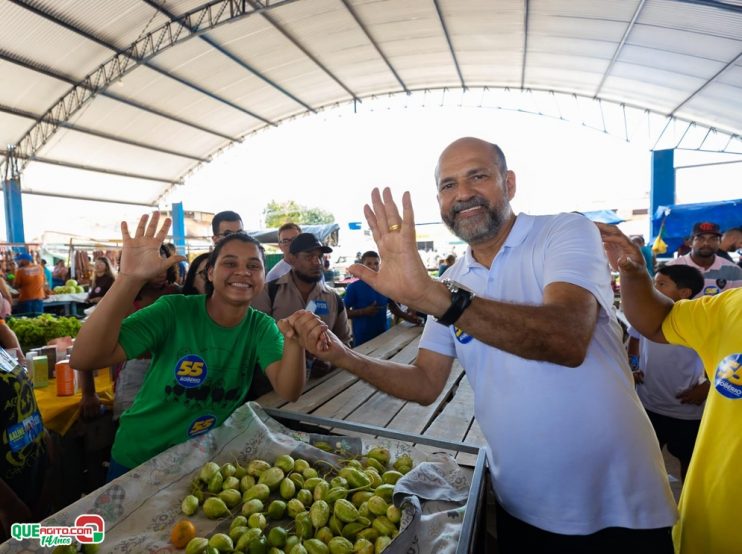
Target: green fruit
{"x":340,"y":545}
{"x":316,"y":546}
{"x":215,"y":508}
{"x":231,"y":483}
{"x":300,"y":465}
{"x":247,"y":482}
{"x":277,"y":536}
{"x":345,"y":511}
{"x":291,"y":542}
{"x":298,"y":549}
{"x":354,"y":463}
{"x":393,"y":513}
{"x":90,"y":548}
{"x":338,"y":481}
{"x":228,"y":470}
{"x":64,"y":549}
{"x":274,"y":550}
{"x":189,"y":505}
{"x":350,"y":530}
{"x":257,"y":521}
{"x":377,"y":505}
{"x":298,"y":480}
{"x":294,"y":507}
{"x":312,"y":482}
{"x":379,"y":454}
{"x":236,"y":532}
{"x":211,"y":550}
{"x":384,"y":526}
{"x":276,"y":510}
{"x":197,"y":546}
{"x":374,"y":476}
{"x":385,"y":491}
{"x":222,"y":542}
{"x":363,"y":510}
{"x":405,"y":460}
{"x":363,"y":546}
{"x":216,"y":482}
{"x":239,"y":521}
{"x":319,"y":513}
{"x":247,"y":537}
{"x":355,"y":477}
{"x":305,"y":497}
{"x":231,"y":497}
{"x":324,"y":534}
{"x":253,"y":506}
{"x":285,"y":462}
{"x":257,"y":467}
{"x":381,"y":543}
{"x":336,"y":493}
{"x":391,"y":477}
{"x":272,"y":477}
{"x":320,"y":491}
{"x":360,"y":497}
{"x":370,"y":462}
{"x":259,"y":546}
{"x":369,"y":533}
{"x":303,"y":525}
{"x":336,"y":526}
{"x":309,"y":473}
{"x":208,"y":471}
{"x":259,"y":491}
{"x":287,"y":489}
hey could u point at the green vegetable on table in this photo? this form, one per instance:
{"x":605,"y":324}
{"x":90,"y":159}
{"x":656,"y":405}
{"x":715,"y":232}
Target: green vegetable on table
{"x":33,"y":332}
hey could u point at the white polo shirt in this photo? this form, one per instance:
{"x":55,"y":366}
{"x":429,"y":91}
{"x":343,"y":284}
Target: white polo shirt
{"x":571,"y":450}
{"x":668,"y":369}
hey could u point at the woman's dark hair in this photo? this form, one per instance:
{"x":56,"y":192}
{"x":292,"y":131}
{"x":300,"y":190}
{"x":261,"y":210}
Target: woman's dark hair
{"x":109,"y":267}
{"x":242,"y":237}
{"x":188,"y":287}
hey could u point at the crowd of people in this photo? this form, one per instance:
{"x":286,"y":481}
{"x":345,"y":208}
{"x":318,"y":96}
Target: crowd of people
{"x":573,"y":415}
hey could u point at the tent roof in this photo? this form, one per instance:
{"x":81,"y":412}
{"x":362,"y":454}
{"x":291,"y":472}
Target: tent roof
{"x":147,"y":90}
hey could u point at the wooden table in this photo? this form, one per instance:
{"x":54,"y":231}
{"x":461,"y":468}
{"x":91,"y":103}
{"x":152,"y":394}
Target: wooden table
{"x":341,"y":395}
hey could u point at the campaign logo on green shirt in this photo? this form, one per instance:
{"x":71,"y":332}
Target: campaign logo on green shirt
{"x":190,"y":371}
{"x":201,"y":425}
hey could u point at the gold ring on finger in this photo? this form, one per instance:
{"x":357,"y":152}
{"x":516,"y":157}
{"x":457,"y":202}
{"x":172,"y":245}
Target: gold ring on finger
{"x":394,"y":228}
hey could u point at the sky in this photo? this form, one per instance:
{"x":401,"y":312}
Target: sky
{"x":333,"y":159}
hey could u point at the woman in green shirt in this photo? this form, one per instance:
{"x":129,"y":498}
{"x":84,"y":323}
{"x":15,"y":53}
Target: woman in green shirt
{"x":204,"y":347}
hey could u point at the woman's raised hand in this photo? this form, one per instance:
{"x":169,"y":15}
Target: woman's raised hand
{"x":141,"y":257}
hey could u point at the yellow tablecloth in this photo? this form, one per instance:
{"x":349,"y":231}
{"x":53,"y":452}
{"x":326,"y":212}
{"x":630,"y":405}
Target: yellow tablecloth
{"x":60,"y":412}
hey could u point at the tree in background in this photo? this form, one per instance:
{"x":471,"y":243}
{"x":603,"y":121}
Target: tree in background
{"x":276,"y":214}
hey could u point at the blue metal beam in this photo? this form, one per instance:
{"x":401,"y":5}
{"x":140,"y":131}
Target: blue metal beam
{"x":662,"y":187}
{"x":179,"y":227}
{"x":13,"y":202}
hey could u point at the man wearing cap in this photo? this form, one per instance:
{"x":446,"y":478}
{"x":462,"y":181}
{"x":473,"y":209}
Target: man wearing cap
{"x":719,"y":274}
{"x":302,"y":289}
{"x":286,"y":234}
{"x":29,"y":281}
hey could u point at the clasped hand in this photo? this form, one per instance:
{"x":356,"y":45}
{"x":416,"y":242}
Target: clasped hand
{"x":311,"y":333}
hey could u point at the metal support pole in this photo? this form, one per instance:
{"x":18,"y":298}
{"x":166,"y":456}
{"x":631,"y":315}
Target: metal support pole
{"x":179,"y":228}
{"x":12,"y":200}
{"x":662,"y":187}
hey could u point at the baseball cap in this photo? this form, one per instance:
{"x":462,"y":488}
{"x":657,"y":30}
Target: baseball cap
{"x":706,"y":228}
{"x":24,"y":257}
{"x":304,"y":242}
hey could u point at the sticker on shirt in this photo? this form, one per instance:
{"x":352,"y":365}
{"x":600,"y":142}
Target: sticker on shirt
{"x":320,"y":307}
{"x":728,"y":378}
{"x":201,"y":425}
{"x":711,"y":290}
{"x":7,"y":363}
{"x":25,"y":432}
{"x":462,"y":337}
{"x":190,"y":371}
{"x":721,"y":283}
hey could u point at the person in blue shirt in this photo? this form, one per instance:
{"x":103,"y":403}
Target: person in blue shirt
{"x":367,"y":308}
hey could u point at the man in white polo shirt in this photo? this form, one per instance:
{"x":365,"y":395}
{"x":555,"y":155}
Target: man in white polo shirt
{"x":573,"y":458}
{"x":286,"y":234}
{"x":719,"y":274}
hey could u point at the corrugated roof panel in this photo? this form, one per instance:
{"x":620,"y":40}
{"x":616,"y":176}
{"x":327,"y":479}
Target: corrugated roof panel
{"x":338,"y":42}
{"x":681,"y":64}
{"x":88,"y":150}
{"x":28,"y":90}
{"x":693,"y":17}
{"x":585,"y":9}
{"x":410,"y":48}
{"x":165,"y":94}
{"x":33,"y":38}
{"x":684,"y":42}
{"x":12,"y":127}
{"x":44,"y":178}
{"x":646,"y":86}
{"x":120,"y":22}
{"x":714,"y":103}
{"x":118,"y":119}
{"x":603,"y":30}
{"x":571,"y":47}
{"x":580,"y":73}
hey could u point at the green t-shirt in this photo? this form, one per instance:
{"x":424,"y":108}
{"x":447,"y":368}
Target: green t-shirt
{"x":199,"y":374}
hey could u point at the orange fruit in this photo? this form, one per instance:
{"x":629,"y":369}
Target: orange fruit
{"x":182,"y":533}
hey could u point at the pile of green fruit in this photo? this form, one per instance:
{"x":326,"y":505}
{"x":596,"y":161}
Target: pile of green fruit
{"x":291,"y":507}
{"x":70,"y":287}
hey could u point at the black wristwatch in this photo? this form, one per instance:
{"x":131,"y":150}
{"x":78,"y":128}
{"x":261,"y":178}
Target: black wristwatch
{"x":460,"y":300}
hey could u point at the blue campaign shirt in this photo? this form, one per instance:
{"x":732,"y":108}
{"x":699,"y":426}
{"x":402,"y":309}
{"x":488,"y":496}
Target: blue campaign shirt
{"x":360,"y":295}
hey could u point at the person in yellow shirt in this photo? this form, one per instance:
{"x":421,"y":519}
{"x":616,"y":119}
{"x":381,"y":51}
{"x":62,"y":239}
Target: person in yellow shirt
{"x":712,"y":326}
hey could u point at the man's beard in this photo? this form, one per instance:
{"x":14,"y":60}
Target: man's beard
{"x":479,"y":228}
{"x":307,"y":278}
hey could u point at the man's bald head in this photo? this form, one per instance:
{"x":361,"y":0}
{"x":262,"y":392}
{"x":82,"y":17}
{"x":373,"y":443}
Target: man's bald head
{"x":498,"y":156}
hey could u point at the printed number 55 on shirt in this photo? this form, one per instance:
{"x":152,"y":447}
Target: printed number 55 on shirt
{"x":190,"y":371}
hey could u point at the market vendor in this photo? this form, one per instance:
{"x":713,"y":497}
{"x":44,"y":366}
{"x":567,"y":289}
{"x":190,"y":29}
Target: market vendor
{"x":204,"y":347}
